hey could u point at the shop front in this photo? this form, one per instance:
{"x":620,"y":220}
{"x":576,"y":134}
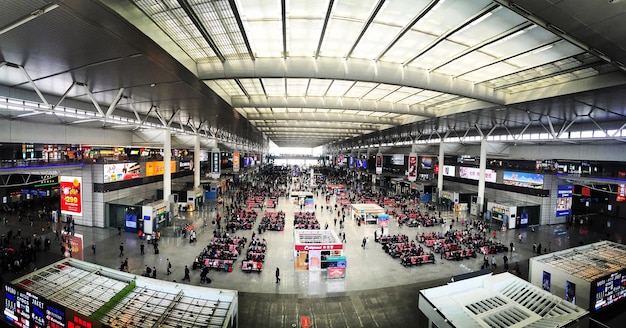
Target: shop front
{"x":319,"y":250}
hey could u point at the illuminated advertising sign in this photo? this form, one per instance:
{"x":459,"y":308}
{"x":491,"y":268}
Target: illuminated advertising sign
{"x":521,"y":179}
{"x":71,"y":198}
{"x":449,"y":170}
{"x":158,"y":168}
{"x":215,"y":167}
{"x":351,"y":161}
{"x":473,"y":173}
{"x":564,"y":200}
{"x":397,"y":159}
{"x":621,"y":193}
{"x":379,"y":163}
{"x":412,"y":168}
{"x":236,"y":162}
{"x":121,"y":172}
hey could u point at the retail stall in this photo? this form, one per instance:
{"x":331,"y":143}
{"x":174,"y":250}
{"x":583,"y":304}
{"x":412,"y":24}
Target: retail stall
{"x":73,"y":293}
{"x":513,"y":215}
{"x":302,"y":198}
{"x":317,"y":250}
{"x":367,"y":213}
{"x":591,"y":276}
{"x":502,"y":300}
{"x":155,"y":216}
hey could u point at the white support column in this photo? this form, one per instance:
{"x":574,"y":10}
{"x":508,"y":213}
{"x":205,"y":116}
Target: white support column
{"x":196,"y":162}
{"x":481,"y":179}
{"x":167,"y":158}
{"x":440,"y":174}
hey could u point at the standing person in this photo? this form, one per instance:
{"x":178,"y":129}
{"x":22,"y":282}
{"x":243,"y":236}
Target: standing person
{"x":142,"y":248}
{"x":186,"y":274}
{"x":506,"y":263}
{"x":169,"y":267}
{"x":121,"y":249}
{"x":519,"y":238}
{"x":154,"y":272}
{"x":277,"y":275}
{"x":343,"y":240}
{"x":493,"y":262}
{"x":93,"y":248}
{"x":363,"y":243}
{"x":511,"y":247}
{"x":539,"y":249}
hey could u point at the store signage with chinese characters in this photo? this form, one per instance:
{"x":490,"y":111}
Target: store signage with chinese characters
{"x":216,"y":162}
{"x":319,"y":247}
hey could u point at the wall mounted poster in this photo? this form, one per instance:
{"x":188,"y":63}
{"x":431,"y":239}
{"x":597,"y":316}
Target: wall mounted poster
{"x":570,"y":292}
{"x":545,"y":282}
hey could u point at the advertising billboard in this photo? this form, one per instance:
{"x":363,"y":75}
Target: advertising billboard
{"x":71,"y":198}
{"x":521,"y":179}
{"x":473,"y":173}
{"x":449,"y":170}
{"x":426,"y":162}
{"x":621,"y":193}
{"x":236,"y":162}
{"x":546,"y":281}
{"x":564,"y":200}
{"x":379,"y":163}
{"x":412,"y":167}
{"x":121,"y":172}
{"x":158,"y":168}
{"x":397,"y":159}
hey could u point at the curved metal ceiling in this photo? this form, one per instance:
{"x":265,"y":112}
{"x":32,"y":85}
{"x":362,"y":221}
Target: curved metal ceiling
{"x":310,"y":73}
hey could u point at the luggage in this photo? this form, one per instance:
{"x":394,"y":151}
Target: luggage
{"x":226,"y":268}
{"x":230,"y":268}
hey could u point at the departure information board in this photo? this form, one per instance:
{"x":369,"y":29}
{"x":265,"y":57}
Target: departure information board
{"x":609,"y":290}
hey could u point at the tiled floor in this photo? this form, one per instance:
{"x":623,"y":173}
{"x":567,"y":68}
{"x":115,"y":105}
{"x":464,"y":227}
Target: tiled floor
{"x":377,"y":291}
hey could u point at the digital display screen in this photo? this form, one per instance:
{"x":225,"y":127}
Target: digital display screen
{"x":609,"y":290}
{"x":25,"y":309}
{"x":564,"y":200}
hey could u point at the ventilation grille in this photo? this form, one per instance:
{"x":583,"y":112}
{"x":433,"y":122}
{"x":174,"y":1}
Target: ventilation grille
{"x":505,"y":317}
{"x":486,"y":305}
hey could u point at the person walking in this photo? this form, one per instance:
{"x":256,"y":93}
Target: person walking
{"x":169,"y":267}
{"x":186,"y":274}
{"x":511,"y":247}
{"x":493,"y":262}
{"x":277,"y":275}
{"x":363,"y":243}
{"x":142,"y":248}
{"x":121,"y":249}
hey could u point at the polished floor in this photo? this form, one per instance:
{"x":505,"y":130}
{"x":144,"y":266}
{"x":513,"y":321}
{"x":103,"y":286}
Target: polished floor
{"x":377,"y":290}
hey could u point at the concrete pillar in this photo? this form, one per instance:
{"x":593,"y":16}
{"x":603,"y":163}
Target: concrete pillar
{"x":167,"y":170}
{"x":481,"y":180}
{"x":196,"y":162}
{"x":440,"y":174}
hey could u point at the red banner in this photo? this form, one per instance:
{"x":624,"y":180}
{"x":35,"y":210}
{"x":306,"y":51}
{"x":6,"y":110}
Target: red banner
{"x":412,"y":167}
{"x":71,"y":199}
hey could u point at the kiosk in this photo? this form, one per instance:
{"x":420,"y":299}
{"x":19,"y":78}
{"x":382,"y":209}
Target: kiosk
{"x":155,"y":215}
{"x":367,"y":213}
{"x":317,"y":250}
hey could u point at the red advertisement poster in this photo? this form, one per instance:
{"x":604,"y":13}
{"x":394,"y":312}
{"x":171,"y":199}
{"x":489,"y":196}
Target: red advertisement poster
{"x":73,"y":244}
{"x":236,"y":162}
{"x":71,"y":198}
